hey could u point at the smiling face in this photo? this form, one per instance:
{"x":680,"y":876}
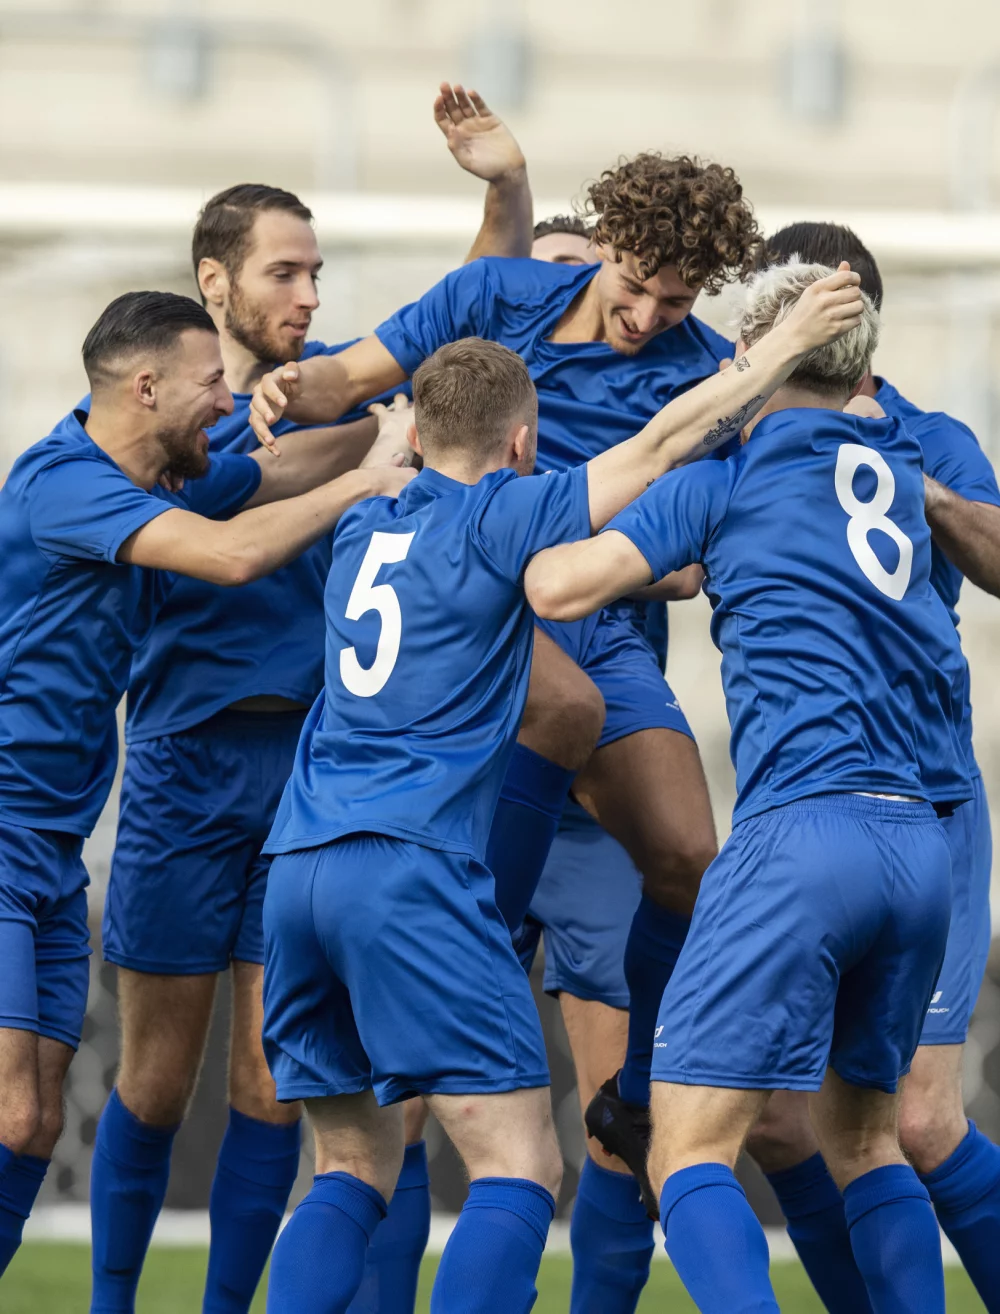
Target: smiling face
{"x":269,"y":302}
{"x":634,"y":310}
{"x":190,"y":395}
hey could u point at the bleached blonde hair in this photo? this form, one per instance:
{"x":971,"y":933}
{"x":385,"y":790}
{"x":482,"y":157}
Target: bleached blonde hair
{"x":835,"y":369}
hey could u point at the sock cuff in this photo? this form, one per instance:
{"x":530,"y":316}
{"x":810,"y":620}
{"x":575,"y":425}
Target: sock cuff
{"x":616,"y":1195}
{"x":669,"y":928}
{"x":881,"y":1186}
{"x":413,"y":1173}
{"x":806,"y":1188}
{"x":969,"y":1173}
{"x":7,"y":1158}
{"x":696,"y":1178}
{"x":529,"y":1200}
{"x":535,"y":782}
{"x":262,"y":1139}
{"x":353,"y":1197}
{"x":144,"y":1146}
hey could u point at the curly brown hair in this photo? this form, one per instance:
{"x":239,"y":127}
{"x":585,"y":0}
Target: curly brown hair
{"x":676,"y":212}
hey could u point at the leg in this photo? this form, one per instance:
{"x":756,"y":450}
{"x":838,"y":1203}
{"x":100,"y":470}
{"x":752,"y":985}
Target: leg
{"x":697,"y":1135}
{"x":258,"y":1160}
{"x":894,"y":1234}
{"x":508,"y":1144}
{"x":562,"y":720}
{"x":164,"y":1024}
{"x":784,"y":1146}
{"x":319,"y":1259}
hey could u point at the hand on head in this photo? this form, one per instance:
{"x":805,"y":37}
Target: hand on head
{"x":828,"y":308}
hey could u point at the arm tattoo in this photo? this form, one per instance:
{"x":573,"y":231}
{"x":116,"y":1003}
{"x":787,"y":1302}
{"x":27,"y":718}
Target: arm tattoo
{"x":742,"y":364}
{"x":732,"y":423}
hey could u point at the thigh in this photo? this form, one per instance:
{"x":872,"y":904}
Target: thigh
{"x":354,"y":1135}
{"x":970,"y":842}
{"x":54,"y":1059}
{"x":441,"y":1002}
{"x":598,"y":1039}
{"x":20,"y":1101}
{"x":564,"y":712}
{"x":856,"y":1127}
{"x":164,"y":1027}
{"x":251,"y":1086}
{"x":648,"y":791}
{"x":505,"y":1134}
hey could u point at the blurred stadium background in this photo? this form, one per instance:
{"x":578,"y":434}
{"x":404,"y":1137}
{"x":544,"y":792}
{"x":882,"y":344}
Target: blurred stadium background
{"x":119,"y":117}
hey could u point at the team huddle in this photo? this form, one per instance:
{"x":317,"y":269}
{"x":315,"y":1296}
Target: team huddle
{"x":397,"y":714}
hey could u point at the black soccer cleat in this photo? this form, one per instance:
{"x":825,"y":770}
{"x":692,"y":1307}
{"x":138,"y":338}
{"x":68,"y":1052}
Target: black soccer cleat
{"x":623,"y":1129}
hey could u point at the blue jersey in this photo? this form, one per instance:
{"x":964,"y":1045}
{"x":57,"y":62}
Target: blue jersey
{"x":954,"y":458}
{"x":212,"y":646}
{"x":71,"y":617}
{"x":841,"y":670}
{"x":427,"y":654}
{"x":590,"y":396}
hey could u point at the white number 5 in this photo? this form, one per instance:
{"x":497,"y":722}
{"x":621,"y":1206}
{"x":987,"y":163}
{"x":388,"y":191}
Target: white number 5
{"x":383,"y":550}
{"x":866,"y":516}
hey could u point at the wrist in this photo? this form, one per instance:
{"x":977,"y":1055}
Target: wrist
{"x":514,"y":179}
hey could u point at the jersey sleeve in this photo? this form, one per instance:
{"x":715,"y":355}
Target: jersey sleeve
{"x":231,"y":480}
{"x":673,"y":520}
{"x":87,"y":509}
{"x":525,"y":515}
{"x":457,"y":307}
{"x":954,"y":458}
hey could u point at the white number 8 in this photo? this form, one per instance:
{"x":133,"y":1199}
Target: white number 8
{"x":383,"y":550}
{"x":866,"y":516}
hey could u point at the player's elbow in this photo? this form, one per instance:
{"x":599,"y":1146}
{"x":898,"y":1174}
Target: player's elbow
{"x":552,"y":598}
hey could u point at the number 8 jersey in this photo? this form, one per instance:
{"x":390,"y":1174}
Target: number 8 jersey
{"x":841,"y":667}
{"x":428,"y":647}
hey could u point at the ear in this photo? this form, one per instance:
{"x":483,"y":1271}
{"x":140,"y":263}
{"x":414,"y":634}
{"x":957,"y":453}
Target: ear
{"x":856,"y":390}
{"x":519,"y":445}
{"x":413,"y":438}
{"x":213,"y":281}
{"x":144,"y":388}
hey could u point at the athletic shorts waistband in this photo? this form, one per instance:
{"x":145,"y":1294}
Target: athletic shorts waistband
{"x":863,"y":806}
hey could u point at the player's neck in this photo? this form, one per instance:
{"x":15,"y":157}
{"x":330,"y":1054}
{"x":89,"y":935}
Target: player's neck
{"x":794,"y":399}
{"x":461,"y":471}
{"x":133,"y":449}
{"x":582,"y":321}
{"x":242,"y":369}
{"x":870,"y":386}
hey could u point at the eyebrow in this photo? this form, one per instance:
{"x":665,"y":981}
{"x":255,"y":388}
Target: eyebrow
{"x":294,"y":264}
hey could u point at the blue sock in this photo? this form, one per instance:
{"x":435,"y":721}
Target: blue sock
{"x":715,"y":1241}
{"x":524,"y":825}
{"x":319,"y":1259}
{"x":654,"y":943}
{"x":611,"y":1237}
{"x":965,"y":1193}
{"x":814,"y":1213}
{"x":256,"y":1170}
{"x":128,"y":1180}
{"x":21,"y":1179}
{"x":491,"y":1260}
{"x":896,"y":1241}
{"x":393,"y":1264}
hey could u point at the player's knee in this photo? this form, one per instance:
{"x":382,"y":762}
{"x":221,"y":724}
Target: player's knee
{"x":775,"y":1144}
{"x":929,"y":1132}
{"x":672,"y":876}
{"x":20,"y":1121}
{"x":549,"y":1168}
{"x":566,"y":726}
{"x":48,"y":1129}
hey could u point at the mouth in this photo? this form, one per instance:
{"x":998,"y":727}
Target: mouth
{"x":297,"y":330}
{"x":629,"y":333}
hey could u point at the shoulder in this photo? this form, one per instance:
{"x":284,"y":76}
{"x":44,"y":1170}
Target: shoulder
{"x":529,"y":280}
{"x":317,"y":348}
{"x":68,"y":442}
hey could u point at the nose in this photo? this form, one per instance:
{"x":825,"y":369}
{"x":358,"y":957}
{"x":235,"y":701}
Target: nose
{"x":307,"y":297}
{"x":225,"y":403}
{"x":647,"y":318}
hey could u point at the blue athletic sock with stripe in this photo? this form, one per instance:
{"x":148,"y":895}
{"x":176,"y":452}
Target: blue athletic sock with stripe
{"x":715,"y":1241}
{"x":490,"y":1263}
{"x":896,"y":1241}
{"x":392,"y":1267}
{"x":524,"y":825}
{"x":611,"y":1237}
{"x":817,"y":1225}
{"x":21,"y":1178}
{"x":965,"y":1193}
{"x":254,"y":1175}
{"x":319,"y":1259}
{"x":655,"y":941}
{"x":128,"y":1181}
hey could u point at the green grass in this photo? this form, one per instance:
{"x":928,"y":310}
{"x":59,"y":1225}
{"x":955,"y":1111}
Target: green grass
{"x":49,"y":1278}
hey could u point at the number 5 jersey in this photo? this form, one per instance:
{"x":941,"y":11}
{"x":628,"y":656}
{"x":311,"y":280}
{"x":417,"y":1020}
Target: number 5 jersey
{"x":428,"y":647}
{"x":841,"y":666}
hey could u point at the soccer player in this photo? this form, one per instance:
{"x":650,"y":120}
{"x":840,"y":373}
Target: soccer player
{"x":959,"y":1166}
{"x":388,"y":966}
{"x":820,"y":928}
{"x":80,"y":513}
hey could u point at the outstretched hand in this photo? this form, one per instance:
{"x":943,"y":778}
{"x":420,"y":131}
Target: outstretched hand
{"x":392,"y":446}
{"x":270,"y":398}
{"x":827,"y":309}
{"x":480,"y":141}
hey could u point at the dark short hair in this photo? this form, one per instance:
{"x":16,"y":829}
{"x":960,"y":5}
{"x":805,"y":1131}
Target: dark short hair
{"x":680,"y":212}
{"x":226,"y":221}
{"x":467,"y":394}
{"x":826,"y":244}
{"x":563,"y":223}
{"x":138,"y":322}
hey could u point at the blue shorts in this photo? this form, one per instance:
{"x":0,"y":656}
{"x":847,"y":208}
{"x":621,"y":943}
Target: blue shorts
{"x":188,"y":877}
{"x":583,"y":906}
{"x":817,"y":937}
{"x":612,"y":650}
{"x":954,"y":998}
{"x":388,"y":967}
{"x":44,"y":940}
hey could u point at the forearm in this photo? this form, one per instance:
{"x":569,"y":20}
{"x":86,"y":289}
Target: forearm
{"x":311,"y":457}
{"x":508,"y":218}
{"x":573,"y":580}
{"x":968,"y":533}
{"x":678,"y":586}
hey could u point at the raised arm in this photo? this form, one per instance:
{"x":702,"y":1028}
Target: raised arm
{"x":257,"y":541}
{"x":721,"y":405}
{"x":484,"y":146}
{"x":968,"y":533}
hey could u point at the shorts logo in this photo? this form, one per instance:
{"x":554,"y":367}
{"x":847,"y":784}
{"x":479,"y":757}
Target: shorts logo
{"x":657,"y":1042}
{"x":934,"y":999}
